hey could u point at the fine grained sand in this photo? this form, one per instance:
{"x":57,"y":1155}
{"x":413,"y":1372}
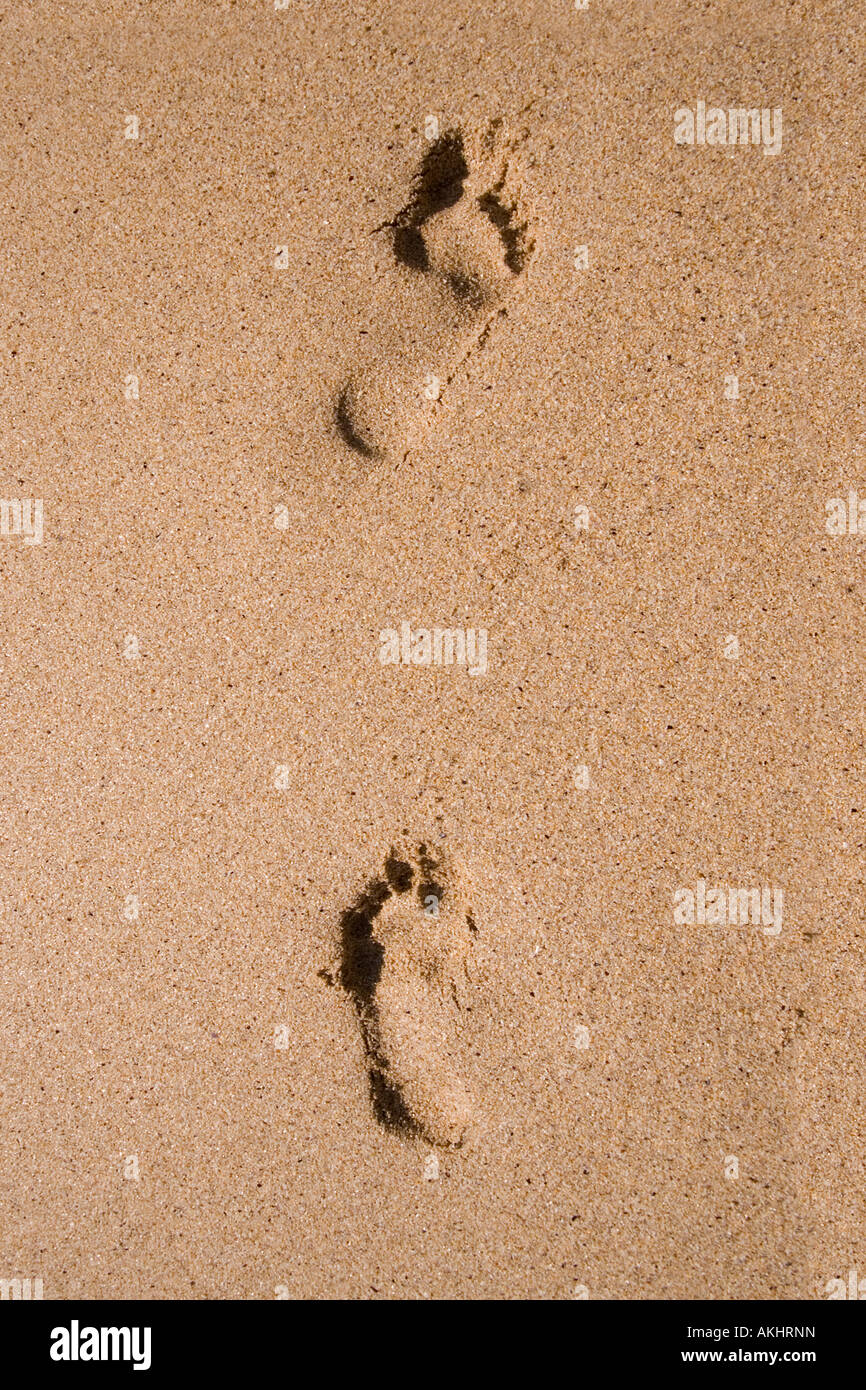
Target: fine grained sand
{"x":207,"y":766}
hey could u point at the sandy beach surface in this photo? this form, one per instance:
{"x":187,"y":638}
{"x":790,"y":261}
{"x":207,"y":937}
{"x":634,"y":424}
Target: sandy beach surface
{"x":424,"y":610}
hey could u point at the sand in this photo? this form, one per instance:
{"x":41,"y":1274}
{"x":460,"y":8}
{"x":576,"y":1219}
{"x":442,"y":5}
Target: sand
{"x":295,"y":392}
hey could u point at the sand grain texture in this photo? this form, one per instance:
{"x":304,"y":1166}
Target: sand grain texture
{"x":187,"y":818}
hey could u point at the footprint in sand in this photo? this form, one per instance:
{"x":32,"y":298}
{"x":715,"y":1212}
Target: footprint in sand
{"x":406,"y":953}
{"x":459,"y":246}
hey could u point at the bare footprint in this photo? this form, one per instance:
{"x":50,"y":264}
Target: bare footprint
{"x":459,"y":246}
{"x":406,"y":949}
